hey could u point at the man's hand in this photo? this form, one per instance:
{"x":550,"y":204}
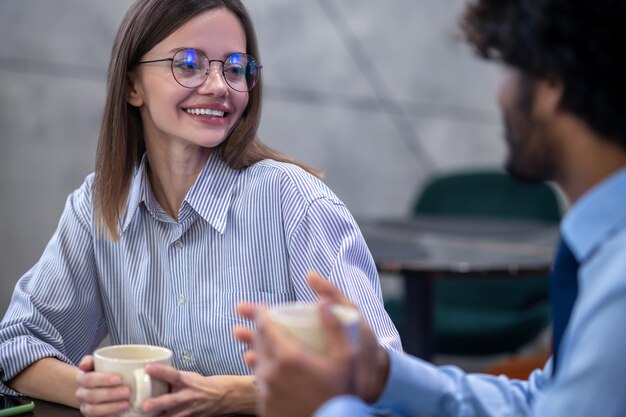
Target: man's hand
{"x":294,"y":381}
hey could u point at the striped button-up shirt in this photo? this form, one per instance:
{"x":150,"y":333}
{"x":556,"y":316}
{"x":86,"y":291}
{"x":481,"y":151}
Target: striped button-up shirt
{"x":242,"y":235}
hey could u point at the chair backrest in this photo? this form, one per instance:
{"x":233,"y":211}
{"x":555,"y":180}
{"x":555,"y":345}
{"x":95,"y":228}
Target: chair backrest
{"x":469,"y":309}
{"x":488,"y":193}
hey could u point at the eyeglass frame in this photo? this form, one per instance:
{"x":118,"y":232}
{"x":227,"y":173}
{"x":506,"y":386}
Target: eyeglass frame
{"x":208,"y":69}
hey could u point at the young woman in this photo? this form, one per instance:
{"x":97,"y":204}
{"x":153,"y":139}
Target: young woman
{"x":187,"y":214}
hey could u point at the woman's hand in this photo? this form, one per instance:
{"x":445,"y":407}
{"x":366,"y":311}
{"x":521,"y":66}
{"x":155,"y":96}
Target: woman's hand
{"x":100,"y":394}
{"x":196,"y":395}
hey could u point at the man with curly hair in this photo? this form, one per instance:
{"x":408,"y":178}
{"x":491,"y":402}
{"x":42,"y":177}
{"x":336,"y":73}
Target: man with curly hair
{"x":563,"y":98}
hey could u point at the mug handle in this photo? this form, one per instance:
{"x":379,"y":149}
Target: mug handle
{"x":143,"y":388}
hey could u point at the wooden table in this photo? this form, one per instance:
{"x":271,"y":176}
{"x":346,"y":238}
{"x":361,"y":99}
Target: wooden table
{"x":47,"y":409}
{"x":423,"y":248}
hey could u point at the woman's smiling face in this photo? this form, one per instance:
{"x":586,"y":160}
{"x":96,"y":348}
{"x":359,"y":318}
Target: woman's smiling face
{"x":203,"y":116}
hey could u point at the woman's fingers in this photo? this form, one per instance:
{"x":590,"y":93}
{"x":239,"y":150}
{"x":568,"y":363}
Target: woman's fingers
{"x":100,"y":394}
{"x":104,"y":410}
{"x":86,"y":363}
{"x":165,"y":373}
{"x":98,"y":380}
{"x":103,"y":395}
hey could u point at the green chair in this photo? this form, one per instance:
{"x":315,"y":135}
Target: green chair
{"x":486,"y":315}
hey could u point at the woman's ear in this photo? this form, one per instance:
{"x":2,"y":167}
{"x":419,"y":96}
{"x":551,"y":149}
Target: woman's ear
{"x":134,"y":92}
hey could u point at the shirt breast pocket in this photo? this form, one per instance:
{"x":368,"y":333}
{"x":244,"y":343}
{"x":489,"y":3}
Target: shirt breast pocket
{"x":225,"y":304}
{"x":222,"y":353}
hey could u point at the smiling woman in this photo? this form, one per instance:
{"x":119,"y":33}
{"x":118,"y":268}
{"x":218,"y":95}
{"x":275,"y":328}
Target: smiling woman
{"x":187,"y":214}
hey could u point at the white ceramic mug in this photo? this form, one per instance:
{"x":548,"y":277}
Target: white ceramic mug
{"x":302,"y":321}
{"x":129,"y":362}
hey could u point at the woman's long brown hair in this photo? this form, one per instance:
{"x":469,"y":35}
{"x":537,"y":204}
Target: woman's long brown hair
{"x":121,"y":142}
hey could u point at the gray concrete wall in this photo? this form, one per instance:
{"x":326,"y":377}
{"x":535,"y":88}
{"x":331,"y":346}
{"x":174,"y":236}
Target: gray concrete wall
{"x":377,"y":94}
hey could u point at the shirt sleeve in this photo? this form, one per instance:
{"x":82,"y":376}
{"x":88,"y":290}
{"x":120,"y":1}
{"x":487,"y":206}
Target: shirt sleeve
{"x":590,"y":380}
{"x":345,"y":405}
{"x":419,"y":389}
{"x":55,"y":310}
{"x":328,"y":240}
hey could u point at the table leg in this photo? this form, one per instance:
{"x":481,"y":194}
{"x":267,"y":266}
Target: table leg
{"x":418,"y":336}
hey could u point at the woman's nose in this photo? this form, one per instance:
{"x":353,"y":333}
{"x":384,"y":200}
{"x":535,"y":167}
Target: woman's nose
{"x":215,"y":82}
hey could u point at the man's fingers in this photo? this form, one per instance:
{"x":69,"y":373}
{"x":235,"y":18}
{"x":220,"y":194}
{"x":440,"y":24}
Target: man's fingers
{"x":250,"y":358}
{"x":271,"y":339}
{"x":334,"y":329}
{"x":244,"y":335}
{"x":247,"y":310}
{"x":325,"y":289}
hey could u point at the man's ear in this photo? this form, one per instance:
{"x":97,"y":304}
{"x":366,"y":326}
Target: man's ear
{"x":548,"y":94}
{"x":134,"y":93}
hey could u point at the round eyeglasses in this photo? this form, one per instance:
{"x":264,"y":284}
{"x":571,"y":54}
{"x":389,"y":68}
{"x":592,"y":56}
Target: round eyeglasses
{"x":191,"y":68}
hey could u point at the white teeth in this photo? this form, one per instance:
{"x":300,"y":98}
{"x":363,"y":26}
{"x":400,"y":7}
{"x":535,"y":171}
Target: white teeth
{"x":207,"y":112}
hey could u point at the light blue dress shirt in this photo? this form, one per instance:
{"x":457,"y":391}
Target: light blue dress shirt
{"x":592,"y":369}
{"x":242,"y":235}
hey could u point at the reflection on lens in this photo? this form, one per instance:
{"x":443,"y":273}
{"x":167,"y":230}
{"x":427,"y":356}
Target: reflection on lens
{"x":191,"y":57}
{"x":248,"y":71}
{"x":187,"y":68}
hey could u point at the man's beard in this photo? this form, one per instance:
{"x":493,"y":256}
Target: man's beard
{"x":530,"y":158}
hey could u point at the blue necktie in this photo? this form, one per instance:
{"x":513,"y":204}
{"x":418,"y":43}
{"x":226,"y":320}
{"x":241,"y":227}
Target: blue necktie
{"x":563,"y":292}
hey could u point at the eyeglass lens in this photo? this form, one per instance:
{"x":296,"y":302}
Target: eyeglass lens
{"x":191,"y":68}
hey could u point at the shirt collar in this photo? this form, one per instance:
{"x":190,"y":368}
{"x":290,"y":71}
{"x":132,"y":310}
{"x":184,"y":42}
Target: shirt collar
{"x":595,"y":216}
{"x":210,"y":195}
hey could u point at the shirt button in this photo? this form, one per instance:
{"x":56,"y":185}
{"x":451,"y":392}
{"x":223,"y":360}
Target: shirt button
{"x":178,"y":244}
{"x":182,"y":300}
{"x":186,"y":357}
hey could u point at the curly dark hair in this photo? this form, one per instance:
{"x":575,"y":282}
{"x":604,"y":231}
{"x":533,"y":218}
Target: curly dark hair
{"x":579,"y":42}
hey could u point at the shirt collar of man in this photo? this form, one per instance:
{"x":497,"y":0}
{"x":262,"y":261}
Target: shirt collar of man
{"x":210,"y":196}
{"x":596,"y":216}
